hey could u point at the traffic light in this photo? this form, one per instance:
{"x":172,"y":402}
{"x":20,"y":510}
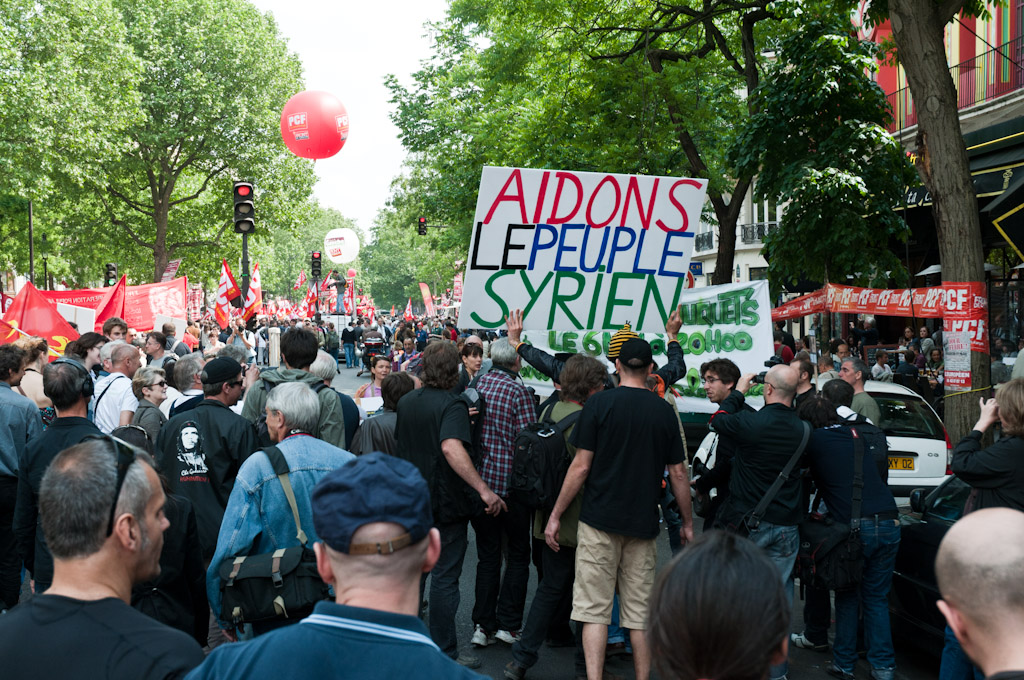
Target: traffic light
{"x":314,"y":265}
{"x":245,"y":209}
{"x":423,"y":226}
{"x":110,"y":277}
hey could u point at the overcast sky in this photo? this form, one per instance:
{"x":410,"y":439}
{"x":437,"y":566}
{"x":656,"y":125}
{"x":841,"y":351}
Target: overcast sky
{"x":347,"y":49}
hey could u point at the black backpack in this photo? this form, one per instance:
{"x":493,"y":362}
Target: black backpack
{"x":262,"y":434}
{"x":540,"y":462}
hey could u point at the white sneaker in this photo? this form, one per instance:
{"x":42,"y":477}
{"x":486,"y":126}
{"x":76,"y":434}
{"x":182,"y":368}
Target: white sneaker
{"x":507,"y":636}
{"x":480,"y":637}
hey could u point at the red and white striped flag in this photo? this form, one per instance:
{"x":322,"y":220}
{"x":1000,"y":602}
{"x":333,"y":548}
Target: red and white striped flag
{"x":302,"y":280}
{"x":254,"y":300}
{"x":226,"y":292}
{"x":408,"y":311}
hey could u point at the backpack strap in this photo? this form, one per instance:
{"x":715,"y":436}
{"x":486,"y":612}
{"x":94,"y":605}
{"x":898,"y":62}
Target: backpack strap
{"x":280,"y":466}
{"x":568,"y":421}
{"x":773,"y":490}
{"x":104,"y":393}
{"x":858,"y":479}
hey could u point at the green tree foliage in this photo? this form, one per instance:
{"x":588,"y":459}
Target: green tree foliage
{"x":637,"y":87}
{"x":67,"y":92}
{"x":217,"y":74}
{"x":818,"y":143}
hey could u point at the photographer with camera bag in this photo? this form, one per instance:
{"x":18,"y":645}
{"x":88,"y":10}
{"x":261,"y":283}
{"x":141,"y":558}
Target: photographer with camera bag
{"x":844,"y":464}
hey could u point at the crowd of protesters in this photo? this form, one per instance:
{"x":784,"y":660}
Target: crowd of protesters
{"x":129,"y":474}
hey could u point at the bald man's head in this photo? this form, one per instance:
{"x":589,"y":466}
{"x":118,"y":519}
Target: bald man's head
{"x":784,"y":380}
{"x":979,"y":565}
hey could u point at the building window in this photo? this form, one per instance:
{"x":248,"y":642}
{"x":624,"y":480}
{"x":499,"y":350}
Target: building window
{"x":759,"y":273}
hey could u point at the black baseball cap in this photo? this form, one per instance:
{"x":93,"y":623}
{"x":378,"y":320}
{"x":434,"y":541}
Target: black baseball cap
{"x":636,"y":353}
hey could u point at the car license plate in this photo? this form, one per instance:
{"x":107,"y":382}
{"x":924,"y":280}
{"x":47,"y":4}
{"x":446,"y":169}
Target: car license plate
{"x":901,"y":463}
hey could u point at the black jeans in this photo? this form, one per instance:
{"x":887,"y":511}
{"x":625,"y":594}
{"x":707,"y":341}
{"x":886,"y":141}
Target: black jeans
{"x":444,"y":586}
{"x":500,"y":602}
{"x":556,"y":584}
{"x":817,"y":615}
{"x":10,"y":560}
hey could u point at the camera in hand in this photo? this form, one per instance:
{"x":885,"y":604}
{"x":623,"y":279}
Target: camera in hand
{"x":773,"y":361}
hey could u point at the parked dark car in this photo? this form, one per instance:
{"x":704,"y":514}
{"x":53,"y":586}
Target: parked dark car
{"x":915,"y":617}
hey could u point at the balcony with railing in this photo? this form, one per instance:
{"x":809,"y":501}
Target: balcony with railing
{"x":704,"y":241}
{"x":978,"y":80}
{"x":755,"y":233}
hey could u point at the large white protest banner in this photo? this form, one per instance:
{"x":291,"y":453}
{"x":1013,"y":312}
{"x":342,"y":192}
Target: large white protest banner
{"x":579,"y":250}
{"x":732,"y":321}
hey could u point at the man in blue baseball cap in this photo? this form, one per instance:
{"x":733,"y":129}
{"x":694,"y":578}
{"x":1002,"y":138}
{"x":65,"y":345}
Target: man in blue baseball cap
{"x":374,"y":519}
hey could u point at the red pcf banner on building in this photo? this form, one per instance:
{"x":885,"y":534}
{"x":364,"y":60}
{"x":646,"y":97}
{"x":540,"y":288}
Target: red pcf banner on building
{"x":966,"y":311}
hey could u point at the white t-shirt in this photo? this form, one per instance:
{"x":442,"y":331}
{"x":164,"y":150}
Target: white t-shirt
{"x":113,"y":394}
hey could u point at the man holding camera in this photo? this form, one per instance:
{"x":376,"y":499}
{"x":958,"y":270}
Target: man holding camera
{"x":765,"y":441}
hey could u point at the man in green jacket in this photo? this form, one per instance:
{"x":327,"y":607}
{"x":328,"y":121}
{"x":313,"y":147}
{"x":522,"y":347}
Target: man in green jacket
{"x":298,"y":351}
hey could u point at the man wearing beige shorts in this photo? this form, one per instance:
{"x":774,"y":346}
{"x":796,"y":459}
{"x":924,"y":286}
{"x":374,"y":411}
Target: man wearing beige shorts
{"x":625,"y":438}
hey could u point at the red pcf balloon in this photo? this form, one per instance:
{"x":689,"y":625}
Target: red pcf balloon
{"x":314,"y":124}
{"x":351,"y":273}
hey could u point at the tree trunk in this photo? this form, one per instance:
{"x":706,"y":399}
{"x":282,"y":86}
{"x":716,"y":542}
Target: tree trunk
{"x":160,"y":242}
{"x":943,"y":165}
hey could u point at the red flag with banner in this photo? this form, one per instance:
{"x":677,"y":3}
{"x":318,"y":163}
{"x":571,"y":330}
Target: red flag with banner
{"x":428,"y":301}
{"x":226,"y":292}
{"x":350,"y":296}
{"x":408,"y":311}
{"x":113,"y":304}
{"x":32,"y":314}
{"x":457,"y":288}
{"x":254,"y":300}
{"x":301,"y":280}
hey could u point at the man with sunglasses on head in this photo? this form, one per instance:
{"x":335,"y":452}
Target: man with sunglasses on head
{"x":102,"y":510}
{"x":68,"y":385}
{"x":200,"y":451}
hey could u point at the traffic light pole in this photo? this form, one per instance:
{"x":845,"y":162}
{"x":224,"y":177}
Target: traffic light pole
{"x":245,"y":267}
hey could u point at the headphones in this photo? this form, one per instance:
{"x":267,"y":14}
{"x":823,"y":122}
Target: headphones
{"x":86,"y":387}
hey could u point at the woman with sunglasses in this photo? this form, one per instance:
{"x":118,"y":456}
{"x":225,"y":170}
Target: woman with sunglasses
{"x":150,"y":388}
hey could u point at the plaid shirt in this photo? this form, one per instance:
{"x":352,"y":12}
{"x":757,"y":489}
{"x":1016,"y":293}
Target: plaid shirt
{"x":508,"y":408}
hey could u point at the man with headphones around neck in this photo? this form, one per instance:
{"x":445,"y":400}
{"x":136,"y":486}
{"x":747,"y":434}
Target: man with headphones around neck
{"x":69,"y":385}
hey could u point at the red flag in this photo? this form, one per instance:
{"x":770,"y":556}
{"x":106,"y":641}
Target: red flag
{"x":254,"y":300}
{"x":408,"y":311}
{"x":302,"y":280}
{"x":226,"y":292}
{"x":428,"y":301}
{"x":32,"y":314}
{"x":392,"y":310}
{"x":113,"y":304}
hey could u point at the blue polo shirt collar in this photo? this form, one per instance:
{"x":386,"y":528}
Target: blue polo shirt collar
{"x":371,"y":621}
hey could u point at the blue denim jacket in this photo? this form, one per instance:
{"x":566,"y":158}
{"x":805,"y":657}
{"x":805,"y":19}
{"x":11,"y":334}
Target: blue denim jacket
{"x":258,"y":519}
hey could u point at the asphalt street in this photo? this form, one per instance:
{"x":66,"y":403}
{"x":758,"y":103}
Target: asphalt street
{"x":557,"y":663}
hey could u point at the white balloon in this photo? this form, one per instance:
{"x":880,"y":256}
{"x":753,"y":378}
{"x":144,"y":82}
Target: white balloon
{"x":341,"y":245}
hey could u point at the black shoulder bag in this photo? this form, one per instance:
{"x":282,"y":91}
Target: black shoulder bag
{"x":749,"y":522}
{"x":831,"y":554}
{"x":279,"y":585}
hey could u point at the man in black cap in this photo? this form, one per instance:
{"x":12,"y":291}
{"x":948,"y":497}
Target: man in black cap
{"x":373,"y":518}
{"x":624,"y":439}
{"x":200,"y":451}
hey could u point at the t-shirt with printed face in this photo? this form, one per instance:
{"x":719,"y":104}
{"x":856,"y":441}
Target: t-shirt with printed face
{"x":634,"y":435}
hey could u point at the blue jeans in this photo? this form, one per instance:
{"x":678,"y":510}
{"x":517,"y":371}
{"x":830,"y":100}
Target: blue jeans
{"x":350,"y":355}
{"x":781,"y":544}
{"x":881,"y":540}
{"x":955,"y":664}
{"x":444,"y":586}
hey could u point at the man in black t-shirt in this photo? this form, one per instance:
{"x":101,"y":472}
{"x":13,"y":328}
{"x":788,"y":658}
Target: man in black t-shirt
{"x":102,"y":510}
{"x":432,"y":432}
{"x":624,"y":440}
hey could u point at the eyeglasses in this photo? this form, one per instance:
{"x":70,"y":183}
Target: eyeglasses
{"x":126,"y":455}
{"x":710,"y":381}
{"x":162,"y":383}
{"x":235,"y":383}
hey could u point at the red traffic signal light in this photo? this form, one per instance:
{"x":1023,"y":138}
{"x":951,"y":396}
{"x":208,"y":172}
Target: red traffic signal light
{"x":245,"y":208}
{"x":315,"y":264}
{"x":422,"y":226}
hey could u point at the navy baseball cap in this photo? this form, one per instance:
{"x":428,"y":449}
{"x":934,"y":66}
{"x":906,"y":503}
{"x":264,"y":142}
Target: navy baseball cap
{"x":374,"y":487}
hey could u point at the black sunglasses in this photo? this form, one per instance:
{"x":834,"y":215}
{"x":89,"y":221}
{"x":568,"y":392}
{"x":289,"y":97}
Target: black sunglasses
{"x":162,"y":383}
{"x":235,"y":383}
{"x":126,"y":455}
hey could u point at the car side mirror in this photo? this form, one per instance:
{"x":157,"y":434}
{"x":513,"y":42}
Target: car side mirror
{"x":917,"y":500}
